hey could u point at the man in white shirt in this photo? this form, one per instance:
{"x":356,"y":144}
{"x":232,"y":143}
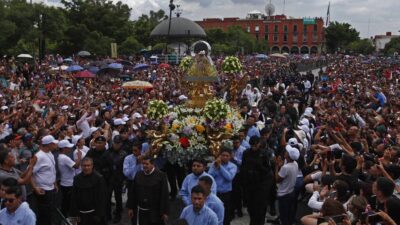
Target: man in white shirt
{"x":67,"y":167}
{"x":44,"y":180}
{"x":285,"y":176}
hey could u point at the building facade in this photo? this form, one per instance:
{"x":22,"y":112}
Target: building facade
{"x":380,"y":41}
{"x":283,"y":35}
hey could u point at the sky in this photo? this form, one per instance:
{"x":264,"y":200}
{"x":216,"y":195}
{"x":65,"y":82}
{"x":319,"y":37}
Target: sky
{"x":369,"y":17}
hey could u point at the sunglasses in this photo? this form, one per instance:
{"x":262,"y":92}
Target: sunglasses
{"x":10,"y":200}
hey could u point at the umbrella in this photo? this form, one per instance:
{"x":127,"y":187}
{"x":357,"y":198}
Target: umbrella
{"x":137,"y":84}
{"x":116,"y":66}
{"x":74,"y":68}
{"x":140,"y":67}
{"x":108,"y":61}
{"x":94,"y":69}
{"x":24,"y":56}
{"x":84,"y":53}
{"x":84,"y":74}
{"x":278,"y":55}
{"x":125,"y":63}
{"x":164,"y":65}
{"x":154,"y":57}
{"x":67,"y":60}
{"x":143,"y":50}
{"x":261,"y":56}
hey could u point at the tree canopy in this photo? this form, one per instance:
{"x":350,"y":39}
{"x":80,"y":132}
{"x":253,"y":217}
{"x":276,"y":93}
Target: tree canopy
{"x":393,"y":46}
{"x":340,"y":35}
{"x":234,"y":40}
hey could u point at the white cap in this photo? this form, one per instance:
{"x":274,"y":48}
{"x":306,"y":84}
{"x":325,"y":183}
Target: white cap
{"x":136,"y":115}
{"x":48,"y":140}
{"x":76,"y":138}
{"x":304,"y":121}
{"x":64,"y":107}
{"x":254,"y":105}
{"x":4,"y":107}
{"x":93,"y":129}
{"x":294,"y":153}
{"x":293,"y":141}
{"x":125,"y":107}
{"x":182,"y":97}
{"x":125,"y":118}
{"x":65,"y":144}
{"x":305,"y":128}
{"x":118,"y":122}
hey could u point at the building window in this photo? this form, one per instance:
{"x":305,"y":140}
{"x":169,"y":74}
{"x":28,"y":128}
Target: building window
{"x":295,"y":38}
{"x":295,"y":28}
{"x":305,"y":29}
{"x":315,"y":38}
{"x":285,"y":28}
{"x":304,"y":37}
{"x":266,"y":37}
{"x":275,"y":38}
{"x":276,"y":29}
{"x":248,"y":29}
{"x":285,"y":38}
{"x":315,"y":28}
{"x":266,"y":28}
{"x":256,"y":29}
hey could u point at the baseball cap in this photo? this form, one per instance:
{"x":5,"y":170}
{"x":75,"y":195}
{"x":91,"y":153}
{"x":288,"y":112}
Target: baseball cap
{"x":65,"y":144}
{"x":293,"y":142}
{"x":294,"y":153}
{"x":93,"y":129}
{"x":27,"y":137}
{"x":100,"y":138}
{"x":118,"y":122}
{"x":49,"y":139}
{"x":304,"y":121}
{"x":117,"y":139}
{"x":136,"y":115}
{"x":182,"y":97}
{"x":76,"y":138}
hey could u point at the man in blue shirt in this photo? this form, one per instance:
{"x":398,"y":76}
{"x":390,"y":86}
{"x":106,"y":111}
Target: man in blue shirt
{"x":191,"y":180}
{"x":198,"y":213}
{"x":212,"y":201}
{"x":16,"y":211}
{"x":223,"y":171}
{"x":132,"y":163}
{"x":253,"y":130}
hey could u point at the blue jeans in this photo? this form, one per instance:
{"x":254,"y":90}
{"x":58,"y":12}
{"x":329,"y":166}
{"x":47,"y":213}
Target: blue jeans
{"x":286,"y":209}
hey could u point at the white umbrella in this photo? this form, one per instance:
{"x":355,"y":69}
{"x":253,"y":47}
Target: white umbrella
{"x":278,"y":55}
{"x":84,"y":53}
{"x":25,"y":56}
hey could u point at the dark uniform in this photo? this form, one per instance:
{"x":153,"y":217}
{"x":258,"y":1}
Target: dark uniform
{"x":103,"y":163}
{"x":148,"y":197}
{"x":256,"y":175}
{"x":88,"y":199}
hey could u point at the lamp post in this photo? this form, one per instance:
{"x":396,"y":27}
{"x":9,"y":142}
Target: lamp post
{"x":171,"y":8}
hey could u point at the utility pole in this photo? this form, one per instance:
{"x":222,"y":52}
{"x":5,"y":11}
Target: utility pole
{"x":171,"y":8}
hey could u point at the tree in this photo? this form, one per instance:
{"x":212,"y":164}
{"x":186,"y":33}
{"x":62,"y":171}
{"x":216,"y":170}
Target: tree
{"x":98,"y":44}
{"x":339,"y":35}
{"x":145,"y":24}
{"x":393,"y":46}
{"x":363,"y":46}
{"x":130,"y":46}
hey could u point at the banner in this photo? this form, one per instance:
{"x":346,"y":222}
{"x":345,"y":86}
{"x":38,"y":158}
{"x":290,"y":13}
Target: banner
{"x":114,"y":53}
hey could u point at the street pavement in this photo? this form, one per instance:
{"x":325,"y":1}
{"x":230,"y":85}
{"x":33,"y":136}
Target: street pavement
{"x":176,"y":207}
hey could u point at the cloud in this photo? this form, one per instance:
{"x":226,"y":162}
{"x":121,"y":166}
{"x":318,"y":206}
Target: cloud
{"x":202,"y":3}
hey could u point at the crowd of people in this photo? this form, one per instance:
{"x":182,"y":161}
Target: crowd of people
{"x":74,"y":147}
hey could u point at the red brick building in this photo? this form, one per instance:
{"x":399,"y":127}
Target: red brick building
{"x":291,"y":35}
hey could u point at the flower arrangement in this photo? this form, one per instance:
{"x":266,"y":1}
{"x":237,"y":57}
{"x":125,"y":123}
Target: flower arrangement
{"x":157,"y":110}
{"x":186,"y":63}
{"x":216,"y":110}
{"x":188,"y":130}
{"x":232,"y":64}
